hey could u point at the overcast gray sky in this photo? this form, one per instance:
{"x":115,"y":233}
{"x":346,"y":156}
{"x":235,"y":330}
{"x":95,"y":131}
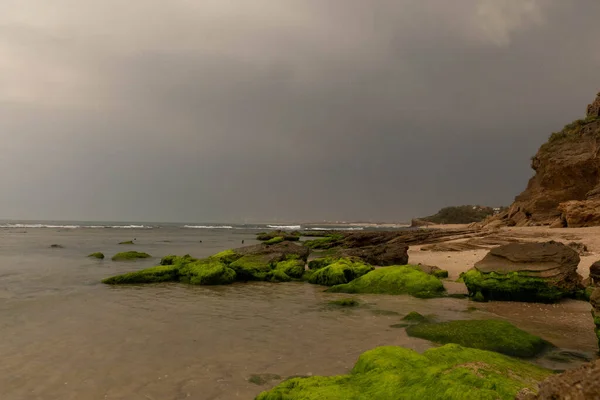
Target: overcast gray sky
{"x":264,"y":110}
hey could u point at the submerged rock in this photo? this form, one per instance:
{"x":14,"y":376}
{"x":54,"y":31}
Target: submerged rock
{"x":285,"y":235}
{"x":581,"y":383}
{"x":127,"y":242}
{"x":130,"y":255}
{"x":345,"y":303}
{"x":535,"y":272}
{"x":394,"y":280}
{"x":450,"y":372}
{"x":277,"y":263}
{"x":161,"y":273}
{"x":97,"y":255}
{"x":57,"y":246}
{"x":342,"y":270}
{"x":493,"y":335}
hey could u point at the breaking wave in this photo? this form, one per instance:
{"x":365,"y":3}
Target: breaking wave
{"x":290,"y":227}
{"x":208,"y":226}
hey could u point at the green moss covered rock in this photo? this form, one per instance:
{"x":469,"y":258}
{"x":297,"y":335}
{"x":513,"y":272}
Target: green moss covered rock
{"x":493,"y":335}
{"x":127,"y":242}
{"x":293,"y":268}
{"x":343,"y":270}
{"x":161,"y":273}
{"x":293,"y":236}
{"x":450,"y":372}
{"x":322,"y":262}
{"x":325,"y":243}
{"x":403,"y":279}
{"x":414,"y":316}
{"x":97,"y":255}
{"x":130,"y":256}
{"x":534,"y":272}
{"x":275,"y":240}
{"x":206,"y":272}
{"x":512,"y":286}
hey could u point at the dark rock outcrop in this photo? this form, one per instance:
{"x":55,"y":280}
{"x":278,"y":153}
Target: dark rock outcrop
{"x":581,"y":383}
{"x":595,"y":274}
{"x":382,"y":255}
{"x":595,"y":302}
{"x":543,"y":272}
{"x":565,"y":190}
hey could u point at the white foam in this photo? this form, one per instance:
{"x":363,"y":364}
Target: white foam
{"x":208,"y":226}
{"x":335,"y":229}
{"x":290,"y":227}
{"x":39,"y":226}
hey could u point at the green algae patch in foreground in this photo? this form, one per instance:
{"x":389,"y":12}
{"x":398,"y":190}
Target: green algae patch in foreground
{"x":130,"y":255}
{"x":493,"y":335}
{"x":450,"y":372}
{"x":341,"y":271}
{"x":396,"y":280}
{"x":513,"y":286}
{"x":161,"y":273}
{"x":293,"y":268}
{"x":97,"y":255}
{"x":275,"y":240}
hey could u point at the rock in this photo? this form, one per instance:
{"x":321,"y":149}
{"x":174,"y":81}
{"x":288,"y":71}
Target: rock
{"x":380,"y":255}
{"x":581,"y":383}
{"x":580,"y":214}
{"x":493,"y":335}
{"x":595,"y":274}
{"x":595,"y":302}
{"x":130,"y":256}
{"x":450,"y":372}
{"x":127,"y":242}
{"x":57,"y":246}
{"x":340,"y":271}
{"x":276,"y":263}
{"x":98,"y":255}
{"x":579,"y":247}
{"x":417,"y":223}
{"x":566,"y":184}
{"x":433,"y":270}
{"x":394,"y":280}
{"x":542,"y":272}
{"x":593,"y":110}
{"x":285,"y":235}
{"x":451,"y":246}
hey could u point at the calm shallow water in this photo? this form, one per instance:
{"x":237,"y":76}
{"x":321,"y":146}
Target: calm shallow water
{"x":66,"y":336}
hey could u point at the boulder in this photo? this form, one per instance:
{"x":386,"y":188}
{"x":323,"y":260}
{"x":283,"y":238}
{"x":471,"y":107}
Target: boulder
{"x":580,"y":214}
{"x":595,"y":302}
{"x":380,"y":255}
{"x":537,"y":272}
{"x":595,"y":274}
{"x":581,"y":383}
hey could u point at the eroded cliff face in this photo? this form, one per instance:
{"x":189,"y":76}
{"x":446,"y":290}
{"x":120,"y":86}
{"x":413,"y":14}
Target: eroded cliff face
{"x":565,"y":191}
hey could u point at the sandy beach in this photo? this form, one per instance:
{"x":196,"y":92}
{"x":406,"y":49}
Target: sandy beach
{"x":460,"y":261}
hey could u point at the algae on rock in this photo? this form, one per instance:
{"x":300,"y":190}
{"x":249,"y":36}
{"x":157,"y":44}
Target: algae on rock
{"x":161,"y":273}
{"x":343,"y":270}
{"x":513,"y":286}
{"x":97,"y":255}
{"x":450,"y":372}
{"x":493,"y":335}
{"x":396,"y":280}
{"x":130,"y":256}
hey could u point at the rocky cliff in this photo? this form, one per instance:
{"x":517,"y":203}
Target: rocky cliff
{"x":565,"y":191}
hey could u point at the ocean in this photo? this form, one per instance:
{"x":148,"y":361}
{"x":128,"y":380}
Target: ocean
{"x":64,"y":335}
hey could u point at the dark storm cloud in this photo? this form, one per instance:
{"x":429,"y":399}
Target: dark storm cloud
{"x":264,"y":110}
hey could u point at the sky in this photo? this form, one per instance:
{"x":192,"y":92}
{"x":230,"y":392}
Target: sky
{"x":271,"y":110}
